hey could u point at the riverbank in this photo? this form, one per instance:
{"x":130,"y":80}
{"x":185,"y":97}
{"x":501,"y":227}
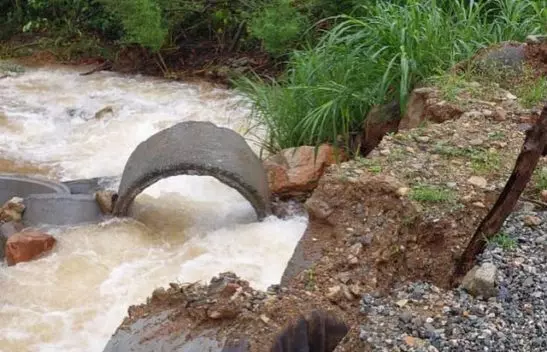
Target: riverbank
{"x":384,"y":234}
{"x":202,"y":62}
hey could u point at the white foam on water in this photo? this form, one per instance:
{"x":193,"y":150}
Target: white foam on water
{"x":186,"y":228}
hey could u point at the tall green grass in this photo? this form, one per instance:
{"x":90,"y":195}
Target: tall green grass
{"x":328,"y":90}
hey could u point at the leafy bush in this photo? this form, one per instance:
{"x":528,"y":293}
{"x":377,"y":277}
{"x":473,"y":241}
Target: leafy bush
{"x":142,"y":21}
{"x":278,"y":25}
{"x":375,"y":58}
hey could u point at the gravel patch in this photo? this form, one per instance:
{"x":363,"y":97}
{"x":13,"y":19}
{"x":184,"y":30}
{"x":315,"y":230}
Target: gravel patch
{"x":422,"y":317}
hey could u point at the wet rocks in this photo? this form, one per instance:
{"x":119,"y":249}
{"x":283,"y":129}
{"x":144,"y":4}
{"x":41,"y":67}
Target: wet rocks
{"x":481,"y":281}
{"x":107,"y":110}
{"x":296,"y":171}
{"x":12,"y":210}
{"x":105,"y":200}
{"x":26,"y":246}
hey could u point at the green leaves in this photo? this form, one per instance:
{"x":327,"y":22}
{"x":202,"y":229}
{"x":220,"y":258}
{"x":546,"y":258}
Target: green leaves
{"x":142,"y":21}
{"x":377,"y":58}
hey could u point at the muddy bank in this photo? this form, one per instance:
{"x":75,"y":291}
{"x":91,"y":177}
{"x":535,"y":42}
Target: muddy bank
{"x":403,"y":214}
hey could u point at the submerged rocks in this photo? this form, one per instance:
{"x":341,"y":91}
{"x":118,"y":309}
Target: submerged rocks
{"x":105,"y":199}
{"x":26,"y":246}
{"x":12,"y":210}
{"x":296,"y":171}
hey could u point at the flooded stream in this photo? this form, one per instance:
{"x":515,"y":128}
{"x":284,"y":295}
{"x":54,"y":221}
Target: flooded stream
{"x":186,"y":228}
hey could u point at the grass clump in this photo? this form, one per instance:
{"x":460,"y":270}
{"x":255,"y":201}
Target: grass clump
{"x":375,"y":58}
{"x":503,"y":241}
{"x":534,"y":93}
{"x":432,"y":194}
{"x":540,"y":179}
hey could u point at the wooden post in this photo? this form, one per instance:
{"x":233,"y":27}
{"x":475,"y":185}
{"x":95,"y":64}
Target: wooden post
{"x":533,"y":148}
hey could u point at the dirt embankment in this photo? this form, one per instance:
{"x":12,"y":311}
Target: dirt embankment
{"x":403,"y":214}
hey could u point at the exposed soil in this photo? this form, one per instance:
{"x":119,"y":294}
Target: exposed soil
{"x":537,"y":57}
{"x":403,"y":214}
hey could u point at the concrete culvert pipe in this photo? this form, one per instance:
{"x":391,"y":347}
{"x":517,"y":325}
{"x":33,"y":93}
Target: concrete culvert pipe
{"x":61,"y":209}
{"x":23,"y":186}
{"x":195,"y":148}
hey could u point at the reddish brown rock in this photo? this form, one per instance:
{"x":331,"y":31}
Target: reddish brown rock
{"x":424,"y":104}
{"x":25,"y":246}
{"x":296,"y":171}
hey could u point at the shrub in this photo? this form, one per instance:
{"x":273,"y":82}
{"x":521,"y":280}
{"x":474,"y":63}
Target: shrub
{"x":279,"y":25}
{"x":142,"y":21}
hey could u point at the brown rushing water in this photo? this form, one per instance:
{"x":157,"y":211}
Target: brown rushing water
{"x":185,"y":229}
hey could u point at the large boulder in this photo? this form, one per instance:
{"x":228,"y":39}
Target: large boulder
{"x":481,"y":281}
{"x":295,"y":171}
{"x":26,"y":246}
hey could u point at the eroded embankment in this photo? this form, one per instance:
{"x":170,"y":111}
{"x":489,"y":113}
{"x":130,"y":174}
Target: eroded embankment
{"x":403,"y":214}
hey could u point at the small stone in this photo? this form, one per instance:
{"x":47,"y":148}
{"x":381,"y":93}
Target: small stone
{"x":500,"y":114}
{"x":414,"y":341}
{"x":347,"y":293}
{"x":423,"y":139}
{"x":479,"y":205}
{"x":104,"y":199}
{"x":476,"y":142}
{"x":405,"y":317}
{"x":532,"y":221}
{"x":487,"y":112}
{"x":353,"y":260}
{"x":318,"y":208}
{"x":544,"y":195}
{"x":222,"y":313}
{"x":265,"y":319}
{"x":451,"y":185}
{"x":355,"y":290}
{"x":385,"y":152}
{"x":334,"y":293}
{"x":401,"y":303}
{"x":12,"y":210}
{"x":510,"y":96}
{"x":355,"y":250}
{"x":344,"y":277}
{"x":478,"y":181}
{"x":528,"y":282}
{"x":481,"y":281}
{"x":403,"y":191}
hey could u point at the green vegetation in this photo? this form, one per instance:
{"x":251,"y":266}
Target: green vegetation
{"x":504,"y":241}
{"x":432,"y":194}
{"x":532,"y":93}
{"x":540,"y":179}
{"x":376,"y":57}
{"x":341,"y":58}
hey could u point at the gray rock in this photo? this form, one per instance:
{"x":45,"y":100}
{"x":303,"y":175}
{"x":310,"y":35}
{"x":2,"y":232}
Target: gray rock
{"x":481,"y":281}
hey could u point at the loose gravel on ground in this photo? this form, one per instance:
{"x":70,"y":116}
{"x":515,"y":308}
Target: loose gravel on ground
{"x":422,"y":317}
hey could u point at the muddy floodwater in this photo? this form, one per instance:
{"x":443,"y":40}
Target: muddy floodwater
{"x":185,"y":228}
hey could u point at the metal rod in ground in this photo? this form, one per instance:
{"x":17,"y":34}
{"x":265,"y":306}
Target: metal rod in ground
{"x":532,"y":149}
